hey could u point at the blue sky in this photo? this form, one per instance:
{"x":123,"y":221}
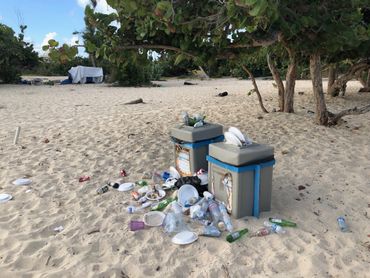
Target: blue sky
{"x":46,"y":19}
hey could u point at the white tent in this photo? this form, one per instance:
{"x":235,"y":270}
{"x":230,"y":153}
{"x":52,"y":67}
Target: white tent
{"x":80,"y":73}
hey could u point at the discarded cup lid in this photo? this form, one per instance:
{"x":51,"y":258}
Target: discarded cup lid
{"x":154,"y":218}
{"x":185,"y":193}
{"x":184,"y":237}
{"x":155,"y":196}
{"x":22,"y":182}
{"x":127,"y":186}
{"x":4,"y":197}
{"x":174,"y":173}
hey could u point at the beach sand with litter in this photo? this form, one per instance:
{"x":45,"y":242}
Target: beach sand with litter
{"x":91,"y":132}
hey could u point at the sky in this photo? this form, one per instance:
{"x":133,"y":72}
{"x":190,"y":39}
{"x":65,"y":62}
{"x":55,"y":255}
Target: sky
{"x":47,"y":19}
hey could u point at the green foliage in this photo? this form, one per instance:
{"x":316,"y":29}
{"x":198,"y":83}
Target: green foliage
{"x":49,"y":67}
{"x":15,"y":54}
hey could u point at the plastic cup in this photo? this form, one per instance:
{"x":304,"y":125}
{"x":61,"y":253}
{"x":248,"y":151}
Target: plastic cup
{"x":136,"y":225}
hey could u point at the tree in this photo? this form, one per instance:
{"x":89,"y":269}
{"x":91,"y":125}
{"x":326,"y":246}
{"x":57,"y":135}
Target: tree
{"x":15,"y":54}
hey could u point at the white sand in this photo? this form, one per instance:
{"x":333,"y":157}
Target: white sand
{"x":92,"y":133}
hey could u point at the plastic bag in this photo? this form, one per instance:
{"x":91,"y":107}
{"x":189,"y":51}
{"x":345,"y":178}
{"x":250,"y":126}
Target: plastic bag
{"x":174,"y":223}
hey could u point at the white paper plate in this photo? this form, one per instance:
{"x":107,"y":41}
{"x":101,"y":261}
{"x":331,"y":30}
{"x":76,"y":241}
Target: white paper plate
{"x":185,"y":237}
{"x":161,"y":192}
{"x":185,"y":193}
{"x":4,"y":197}
{"x":127,"y":186}
{"x":237,"y":133}
{"x":232,"y":139}
{"x":22,"y":182}
{"x":154,"y":218}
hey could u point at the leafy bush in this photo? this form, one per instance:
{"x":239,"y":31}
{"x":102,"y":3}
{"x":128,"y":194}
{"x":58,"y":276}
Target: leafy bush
{"x":15,"y":54}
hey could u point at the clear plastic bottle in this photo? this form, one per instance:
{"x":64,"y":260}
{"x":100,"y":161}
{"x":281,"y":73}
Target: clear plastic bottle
{"x":226,"y":218}
{"x":210,"y":231}
{"x":215,"y":212}
{"x":262,"y":232}
{"x":342,"y":224}
{"x":201,"y":213}
{"x":274,"y":227}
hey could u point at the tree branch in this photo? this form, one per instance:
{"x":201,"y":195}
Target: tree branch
{"x":334,"y":118}
{"x":157,"y":46}
{"x":256,"y":42}
{"x":255,"y":88}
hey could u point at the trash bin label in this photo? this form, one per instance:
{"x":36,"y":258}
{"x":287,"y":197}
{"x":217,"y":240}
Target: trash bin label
{"x":183,"y":160}
{"x":227,"y":182}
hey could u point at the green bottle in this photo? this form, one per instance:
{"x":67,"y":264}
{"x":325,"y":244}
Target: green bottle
{"x":141,"y":183}
{"x":236,"y":235}
{"x":161,"y":205}
{"x":282,"y":222}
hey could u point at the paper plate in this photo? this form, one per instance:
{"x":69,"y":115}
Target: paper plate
{"x":127,"y":186}
{"x":174,"y":173}
{"x":5,"y":197}
{"x":185,"y":193}
{"x":22,"y":182}
{"x":185,"y":237}
{"x":237,"y":133}
{"x":232,"y":139}
{"x":161,"y":192}
{"x":154,"y":218}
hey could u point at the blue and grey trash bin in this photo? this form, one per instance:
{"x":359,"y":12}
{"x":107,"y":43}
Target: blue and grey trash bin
{"x":241,"y":177}
{"x":191,"y":146}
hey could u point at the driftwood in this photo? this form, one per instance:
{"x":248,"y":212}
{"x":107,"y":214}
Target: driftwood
{"x":136,"y":101}
{"x":334,"y":118}
{"x":189,"y":83}
{"x":364,"y":90}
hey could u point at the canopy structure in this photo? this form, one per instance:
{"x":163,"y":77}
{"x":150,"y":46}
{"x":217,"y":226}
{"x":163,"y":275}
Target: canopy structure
{"x":81,"y":74}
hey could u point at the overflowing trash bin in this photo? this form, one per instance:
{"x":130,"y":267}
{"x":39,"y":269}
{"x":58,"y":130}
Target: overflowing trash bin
{"x":241,"y":177}
{"x":191,"y":146}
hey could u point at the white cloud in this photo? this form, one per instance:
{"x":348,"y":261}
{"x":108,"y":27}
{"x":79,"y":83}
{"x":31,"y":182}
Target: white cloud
{"x":73,"y":40}
{"x":1,"y":17}
{"x":101,"y":7}
{"x":48,"y":36}
{"x":83,"y":3}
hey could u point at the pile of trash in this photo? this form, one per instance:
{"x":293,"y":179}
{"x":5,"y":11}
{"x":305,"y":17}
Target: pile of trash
{"x":184,"y":208}
{"x":196,"y":121}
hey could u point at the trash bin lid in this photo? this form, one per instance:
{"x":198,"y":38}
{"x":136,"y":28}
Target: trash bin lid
{"x":194,"y":134}
{"x":236,"y":156}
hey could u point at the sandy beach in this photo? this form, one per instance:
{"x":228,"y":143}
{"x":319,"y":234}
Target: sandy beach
{"x":91,"y":132}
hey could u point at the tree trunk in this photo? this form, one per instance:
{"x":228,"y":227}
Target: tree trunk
{"x":92,"y":59}
{"x":279,"y":82}
{"x":290,"y":82}
{"x":255,"y":88}
{"x":331,"y":75}
{"x":315,"y":71}
{"x":368,"y":79}
{"x":340,"y":83}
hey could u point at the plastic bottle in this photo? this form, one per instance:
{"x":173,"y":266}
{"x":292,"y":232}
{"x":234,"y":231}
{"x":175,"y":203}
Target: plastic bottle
{"x":342,"y":224}
{"x":236,"y":235}
{"x":133,"y":209}
{"x":282,"y":222}
{"x":161,"y":205}
{"x":262,"y":232}
{"x":210,"y":231}
{"x":226,"y":218}
{"x":274,"y":227}
{"x":201,"y":213}
{"x":215,"y":212}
